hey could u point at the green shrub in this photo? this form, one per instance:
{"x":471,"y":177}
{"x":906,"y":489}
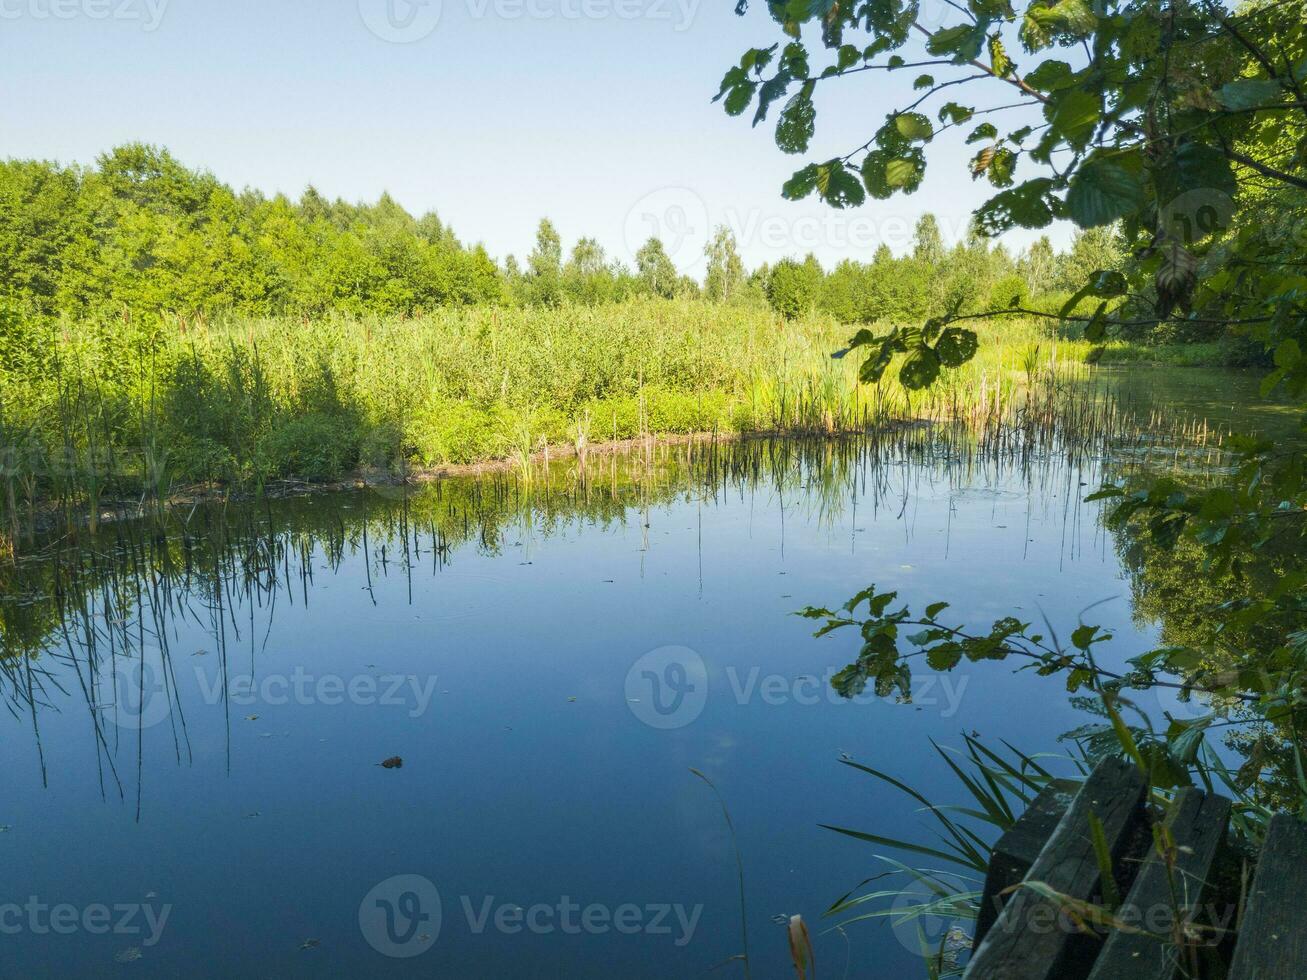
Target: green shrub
{"x":460,"y":432}
{"x":792,"y":287}
{"x":312,"y":447}
{"x":1008,"y":292}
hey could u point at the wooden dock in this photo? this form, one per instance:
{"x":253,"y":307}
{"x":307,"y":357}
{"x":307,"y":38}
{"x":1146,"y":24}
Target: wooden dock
{"x":1180,"y":902}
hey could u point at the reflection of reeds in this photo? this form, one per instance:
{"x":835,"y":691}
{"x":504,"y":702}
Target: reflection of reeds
{"x":74,"y":608}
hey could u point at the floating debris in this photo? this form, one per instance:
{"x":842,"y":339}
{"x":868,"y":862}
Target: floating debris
{"x":311,"y":944}
{"x":394,"y":762}
{"x":129,"y":955}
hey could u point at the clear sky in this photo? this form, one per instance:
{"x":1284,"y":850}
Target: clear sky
{"x":493,"y":113}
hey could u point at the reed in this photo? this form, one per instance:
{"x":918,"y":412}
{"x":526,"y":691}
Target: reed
{"x":100,"y":416}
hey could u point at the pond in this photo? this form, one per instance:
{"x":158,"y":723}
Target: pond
{"x":199,"y":755}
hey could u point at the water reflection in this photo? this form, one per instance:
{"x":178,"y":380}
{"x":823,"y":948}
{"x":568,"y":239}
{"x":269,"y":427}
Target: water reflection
{"x":203,"y":711}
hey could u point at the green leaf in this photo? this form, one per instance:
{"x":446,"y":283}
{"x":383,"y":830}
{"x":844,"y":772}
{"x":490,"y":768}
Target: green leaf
{"x":801,"y":184}
{"x":920,"y":369}
{"x":954,"y":348}
{"x":955,"y":113}
{"x":739,"y":98}
{"x":1104,"y":189}
{"x":914,"y":126}
{"x":1195,"y":166}
{"x":1096,"y":328}
{"x":1029,"y":205}
{"x":902,"y":172}
{"x":1049,"y":75}
{"x":1103,"y":284}
{"x":1074,"y":114}
{"x":734,"y":77}
{"x":838,"y":187}
{"x":998,"y":58}
{"x":847,"y":57}
{"x":1246,"y":93}
{"x":797,"y":122}
{"x":960,"y":41}
{"x":851,"y":681}
{"x":923,"y":81}
{"x":1288,"y":353}
{"x":1001,"y":166}
{"x":873,"y":368}
{"x":884,"y":172}
{"x":985,"y":131}
{"x":944,"y":656}
{"x":1070,"y":19}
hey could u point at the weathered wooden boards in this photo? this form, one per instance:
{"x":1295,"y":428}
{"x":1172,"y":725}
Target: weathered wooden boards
{"x":1273,"y":934}
{"x":1022,"y":934}
{"x":1197,"y":823}
{"x":1017,"y":849}
{"x":1031,"y":939}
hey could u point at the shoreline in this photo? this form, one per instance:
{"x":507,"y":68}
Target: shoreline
{"x":120,"y":509}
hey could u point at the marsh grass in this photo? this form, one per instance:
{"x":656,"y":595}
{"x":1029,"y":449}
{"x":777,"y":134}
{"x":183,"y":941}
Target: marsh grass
{"x":101,"y":417}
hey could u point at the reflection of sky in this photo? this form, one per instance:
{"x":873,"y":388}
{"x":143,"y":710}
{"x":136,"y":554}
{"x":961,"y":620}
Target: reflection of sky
{"x":494,"y":119}
{"x":510,"y":787}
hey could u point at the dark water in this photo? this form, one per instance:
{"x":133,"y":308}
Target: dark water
{"x":198,"y":790}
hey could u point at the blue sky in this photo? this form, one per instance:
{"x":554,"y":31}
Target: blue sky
{"x":493,"y":113}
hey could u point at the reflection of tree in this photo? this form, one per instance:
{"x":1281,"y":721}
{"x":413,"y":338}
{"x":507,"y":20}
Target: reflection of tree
{"x":1222,"y":615}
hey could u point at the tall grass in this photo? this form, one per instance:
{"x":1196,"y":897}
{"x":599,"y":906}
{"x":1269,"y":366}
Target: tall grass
{"x":104,"y":411}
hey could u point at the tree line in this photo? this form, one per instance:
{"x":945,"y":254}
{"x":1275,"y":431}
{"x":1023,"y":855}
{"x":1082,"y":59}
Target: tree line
{"x":139,"y":232}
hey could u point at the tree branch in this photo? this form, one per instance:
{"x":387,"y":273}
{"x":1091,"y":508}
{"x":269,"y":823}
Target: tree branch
{"x":1263,"y":169}
{"x":989,"y":69}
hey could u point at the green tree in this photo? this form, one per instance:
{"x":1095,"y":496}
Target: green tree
{"x":1038,"y":266}
{"x":927,"y":242}
{"x":792,"y":287}
{"x":1092,"y":249}
{"x":587,"y":278}
{"x":657,"y":273}
{"x":844,"y":292}
{"x":545,"y":266}
{"x":725,"y":270}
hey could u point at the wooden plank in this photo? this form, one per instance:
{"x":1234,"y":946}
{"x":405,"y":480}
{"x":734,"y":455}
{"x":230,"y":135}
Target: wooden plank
{"x":1272,"y":941}
{"x":1198,"y":824}
{"x":1031,"y":939}
{"x":1017,"y":849}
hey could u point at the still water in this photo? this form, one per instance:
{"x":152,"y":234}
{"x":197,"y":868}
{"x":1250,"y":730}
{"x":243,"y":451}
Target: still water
{"x":198,"y":789}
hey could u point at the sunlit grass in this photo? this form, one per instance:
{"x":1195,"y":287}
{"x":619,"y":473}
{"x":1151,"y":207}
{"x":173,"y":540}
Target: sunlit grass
{"x":91,"y":411}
